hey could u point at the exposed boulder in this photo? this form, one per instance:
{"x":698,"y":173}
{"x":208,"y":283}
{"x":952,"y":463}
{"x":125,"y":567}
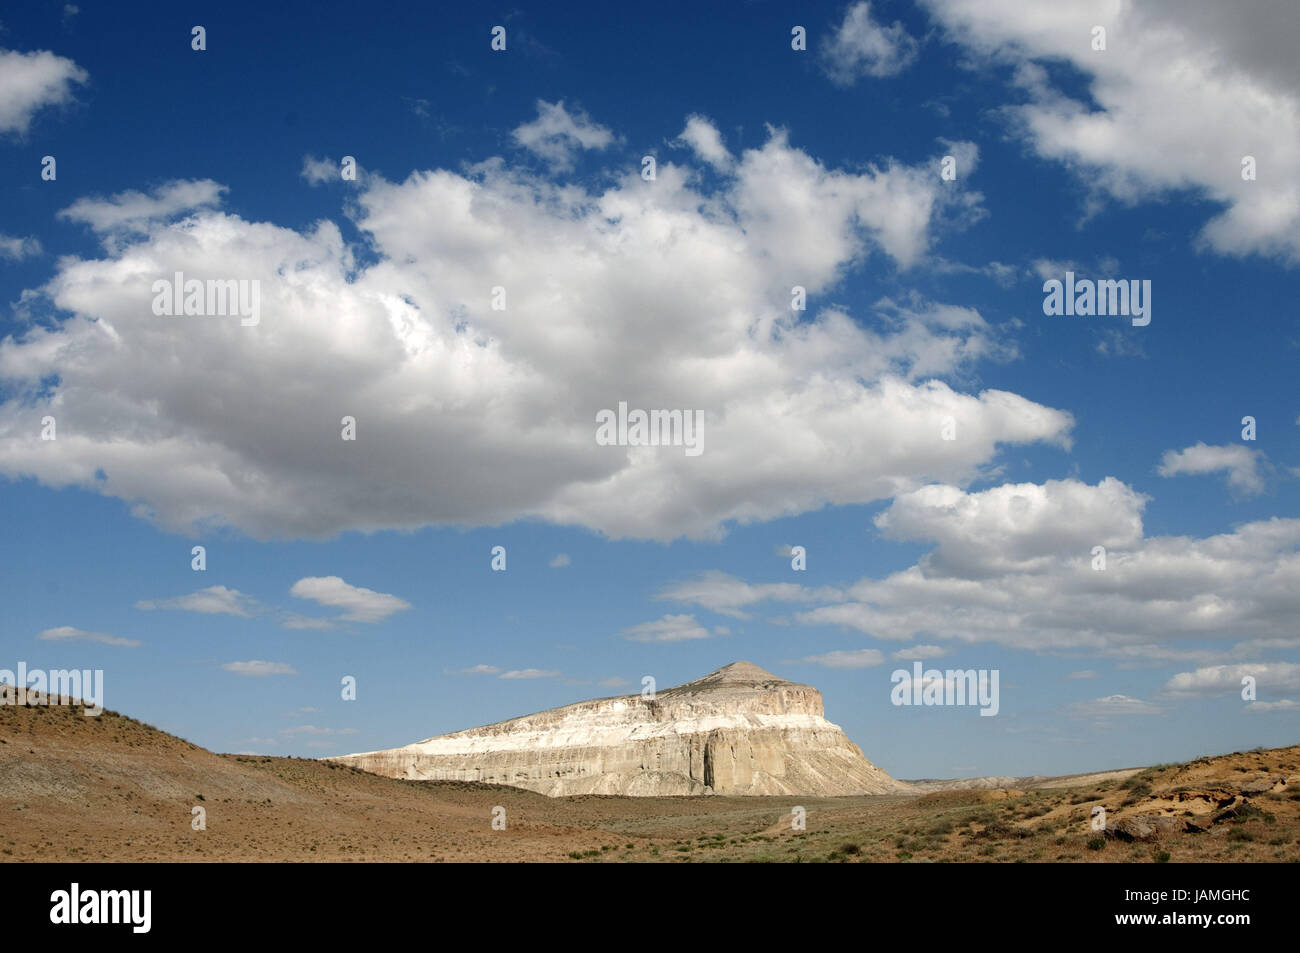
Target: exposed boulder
{"x":1144,"y":827}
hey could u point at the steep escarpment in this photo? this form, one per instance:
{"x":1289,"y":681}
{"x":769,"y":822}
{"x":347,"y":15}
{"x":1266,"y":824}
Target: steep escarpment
{"x":739,"y":731}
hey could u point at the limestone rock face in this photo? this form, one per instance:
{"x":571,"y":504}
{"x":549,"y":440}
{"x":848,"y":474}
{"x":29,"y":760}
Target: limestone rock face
{"x":739,"y":730}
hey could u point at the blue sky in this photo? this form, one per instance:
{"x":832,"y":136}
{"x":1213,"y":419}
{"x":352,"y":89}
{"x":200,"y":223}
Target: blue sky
{"x":776,"y":167}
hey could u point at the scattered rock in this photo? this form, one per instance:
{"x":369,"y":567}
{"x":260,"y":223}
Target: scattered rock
{"x":1263,"y":785}
{"x":1143,"y":827}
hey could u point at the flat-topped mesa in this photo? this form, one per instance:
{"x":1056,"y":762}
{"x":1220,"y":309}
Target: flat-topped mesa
{"x":739,"y":730}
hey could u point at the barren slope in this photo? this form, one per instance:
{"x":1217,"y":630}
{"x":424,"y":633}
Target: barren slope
{"x":111,"y":788}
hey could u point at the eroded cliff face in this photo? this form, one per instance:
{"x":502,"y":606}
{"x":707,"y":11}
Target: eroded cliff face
{"x":739,"y":730}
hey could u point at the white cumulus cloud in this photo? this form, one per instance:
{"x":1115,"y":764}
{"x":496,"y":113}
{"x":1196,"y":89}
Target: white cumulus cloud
{"x":863,"y":47}
{"x":32,"y":81}
{"x":1142,"y":132}
{"x":136,"y":211}
{"x":558,"y":135}
{"x":676,"y":296}
{"x":360,"y":604}
{"x":1240,"y":463}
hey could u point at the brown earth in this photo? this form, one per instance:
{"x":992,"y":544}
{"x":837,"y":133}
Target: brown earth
{"x":111,"y":788}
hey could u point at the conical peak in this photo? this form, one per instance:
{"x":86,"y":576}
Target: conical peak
{"x":743,"y":671}
{"x":736,"y":675}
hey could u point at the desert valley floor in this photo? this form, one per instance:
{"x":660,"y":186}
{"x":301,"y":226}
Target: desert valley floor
{"x":111,"y":788}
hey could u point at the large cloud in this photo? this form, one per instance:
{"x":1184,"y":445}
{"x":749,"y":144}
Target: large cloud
{"x":662,"y":294}
{"x":1227,"y":679}
{"x":1013,"y":565}
{"x":1014,"y":527}
{"x":1183,"y":91}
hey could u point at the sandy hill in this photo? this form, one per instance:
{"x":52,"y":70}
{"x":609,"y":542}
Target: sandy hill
{"x":114,"y":789}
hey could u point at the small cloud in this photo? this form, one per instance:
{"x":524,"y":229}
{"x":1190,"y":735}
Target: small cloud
{"x":214,"y":600}
{"x":480,"y":670}
{"x":702,"y":137}
{"x":16,"y":249}
{"x":292,"y":620}
{"x":614,"y":682}
{"x":1115,"y":343}
{"x":322,"y":171}
{"x":314,"y":730}
{"x":671,"y":628}
{"x":259,"y":669}
{"x":727,"y":595}
{"x":133,"y":211}
{"x":1004,"y":275}
{"x":1240,"y":463}
{"x":919,"y":652}
{"x":858,"y":658}
{"x":557,"y":135}
{"x":1085,"y":673}
{"x":1114,"y":705}
{"x":362,"y":605}
{"x":1048,"y":268}
{"x":67,"y":633}
{"x":560,"y":561}
{"x":31,"y":81}
{"x":318,"y":171}
{"x":862,"y":47}
{"x":722,"y":630}
{"x":1282,"y":704}
{"x":529,"y":673}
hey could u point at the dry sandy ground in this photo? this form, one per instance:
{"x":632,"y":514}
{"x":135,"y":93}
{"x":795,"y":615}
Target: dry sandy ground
{"x":111,"y":788}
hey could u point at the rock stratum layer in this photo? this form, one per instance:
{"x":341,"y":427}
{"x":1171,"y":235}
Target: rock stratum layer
{"x":737,"y":731}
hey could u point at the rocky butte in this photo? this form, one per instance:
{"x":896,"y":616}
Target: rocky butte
{"x":739,"y":731}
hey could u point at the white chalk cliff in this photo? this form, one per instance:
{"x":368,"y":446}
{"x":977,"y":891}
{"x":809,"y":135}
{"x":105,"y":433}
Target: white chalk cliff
{"x":739,"y":730}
